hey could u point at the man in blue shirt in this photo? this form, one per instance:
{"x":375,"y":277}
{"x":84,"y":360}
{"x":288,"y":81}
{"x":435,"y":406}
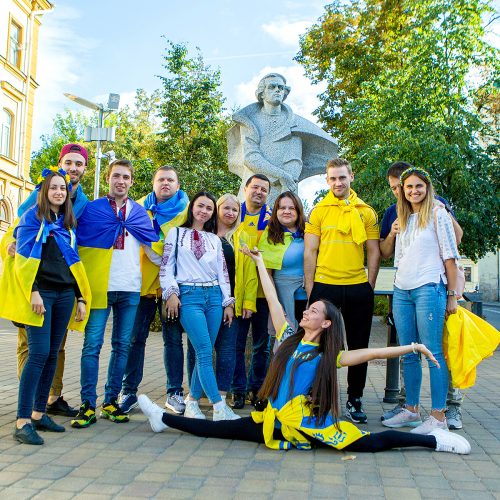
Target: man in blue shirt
{"x":389,"y":228}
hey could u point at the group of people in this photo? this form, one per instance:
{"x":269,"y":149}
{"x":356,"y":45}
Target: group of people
{"x":213,"y":268}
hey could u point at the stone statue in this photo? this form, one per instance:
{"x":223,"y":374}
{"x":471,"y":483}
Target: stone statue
{"x":268,"y":138}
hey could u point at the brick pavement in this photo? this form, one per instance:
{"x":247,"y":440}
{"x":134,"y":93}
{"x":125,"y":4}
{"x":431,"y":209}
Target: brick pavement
{"x":129,"y":461}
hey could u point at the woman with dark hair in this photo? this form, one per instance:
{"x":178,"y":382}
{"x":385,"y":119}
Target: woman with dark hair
{"x":195,"y":284}
{"x":43,"y":279}
{"x":282,"y":246}
{"x":302,"y":393}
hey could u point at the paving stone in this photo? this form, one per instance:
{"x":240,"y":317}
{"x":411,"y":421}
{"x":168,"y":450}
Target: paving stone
{"x":141,"y":489}
{"x":54,"y":495}
{"x":392,"y":493}
{"x":176,"y":465}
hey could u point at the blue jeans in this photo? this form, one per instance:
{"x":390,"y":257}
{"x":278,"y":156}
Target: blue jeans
{"x":43,"y":346}
{"x":225,"y":350}
{"x":201,"y":316}
{"x":419,"y":317}
{"x":260,"y":352}
{"x":124,"y":305}
{"x":173,"y":351}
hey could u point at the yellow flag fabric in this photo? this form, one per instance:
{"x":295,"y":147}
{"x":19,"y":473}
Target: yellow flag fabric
{"x":273,"y":254}
{"x":246,"y":279}
{"x":19,"y":272}
{"x":467,"y":340}
{"x":296,"y":419}
{"x":150,"y":271}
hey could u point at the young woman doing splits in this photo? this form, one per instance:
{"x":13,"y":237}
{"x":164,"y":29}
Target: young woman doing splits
{"x":302,"y":390}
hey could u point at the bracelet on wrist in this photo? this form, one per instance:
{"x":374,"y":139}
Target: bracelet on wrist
{"x":414,"y":347}
{"x":81,"y":300}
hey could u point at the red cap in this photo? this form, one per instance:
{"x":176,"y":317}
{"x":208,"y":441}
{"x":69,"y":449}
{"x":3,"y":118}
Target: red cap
{"x":74,"y":148}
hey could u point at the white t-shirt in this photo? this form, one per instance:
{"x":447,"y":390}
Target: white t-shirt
{"x":198,"y":261}
{"x":125,"y":271}
{"x":420,"y":253}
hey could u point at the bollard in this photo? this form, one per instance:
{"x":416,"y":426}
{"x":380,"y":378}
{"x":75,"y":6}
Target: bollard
{"x":391,"y":394}
{"x":476,"y":300}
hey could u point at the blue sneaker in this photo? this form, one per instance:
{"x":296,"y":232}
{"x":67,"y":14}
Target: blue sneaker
{"x":392,"y":413}
{"x":128,"y":402}
{"x":355,"y":412}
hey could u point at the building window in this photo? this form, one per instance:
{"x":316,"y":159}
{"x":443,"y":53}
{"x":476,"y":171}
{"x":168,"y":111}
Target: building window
{"x":6,"y":133}
{"x":468,"y":274}
{"x":15,"y":40}
{"x":4,"y":212}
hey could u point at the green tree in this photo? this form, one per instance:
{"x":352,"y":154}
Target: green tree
{"x":136,"y":139}
{"x":194,"y":123}
{"x":418,"y":85}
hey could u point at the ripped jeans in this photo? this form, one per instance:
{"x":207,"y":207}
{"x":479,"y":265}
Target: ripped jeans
{"x":419,"y":317}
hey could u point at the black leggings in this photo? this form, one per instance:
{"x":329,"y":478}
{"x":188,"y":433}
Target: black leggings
{"x":245,"y":429}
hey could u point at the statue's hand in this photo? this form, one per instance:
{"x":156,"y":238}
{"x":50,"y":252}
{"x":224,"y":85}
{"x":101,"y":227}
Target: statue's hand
{"x":288,"y":182}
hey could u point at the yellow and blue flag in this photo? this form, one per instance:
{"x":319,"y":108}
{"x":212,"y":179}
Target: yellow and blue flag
{"x":97,"y":230}
{"x":165,"y":215}
{"x":20,"y":271}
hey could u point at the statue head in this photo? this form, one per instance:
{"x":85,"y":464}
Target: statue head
{"x":272,"y":87}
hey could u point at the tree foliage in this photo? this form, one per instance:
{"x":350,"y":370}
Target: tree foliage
{"x":414,"y":81}
{"x":194,"y":123}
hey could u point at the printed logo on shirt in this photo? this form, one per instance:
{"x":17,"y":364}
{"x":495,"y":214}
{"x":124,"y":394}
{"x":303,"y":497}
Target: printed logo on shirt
{"x":251,"y":223}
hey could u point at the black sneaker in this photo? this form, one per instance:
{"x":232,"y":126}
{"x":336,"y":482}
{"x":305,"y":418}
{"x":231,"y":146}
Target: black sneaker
{"x":85,"y":418}
{"x":61,"y":407}
{"x":238,"y":400}
{"x":47,"y":424}
{"x":27,"y":435}
{"x":112,"y":411}
{"x":354,"y":411}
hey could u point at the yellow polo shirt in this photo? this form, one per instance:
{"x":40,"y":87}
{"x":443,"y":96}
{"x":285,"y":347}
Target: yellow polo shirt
{"x":340,"y":260}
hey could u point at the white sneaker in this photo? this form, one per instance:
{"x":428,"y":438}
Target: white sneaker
{"x":225,"y":413}
{"x":454,"y":417}
{"x":450,"y":443}
{"x":404,"y":418}
{"x":193,"y":410}
{"x":431,"y":423}
{"x":153,"y":412}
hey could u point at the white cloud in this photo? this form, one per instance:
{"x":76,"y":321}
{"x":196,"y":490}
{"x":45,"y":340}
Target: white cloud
{"x":62,"y":58}
{"x":286,"y":32}
{"x":302,"y":98}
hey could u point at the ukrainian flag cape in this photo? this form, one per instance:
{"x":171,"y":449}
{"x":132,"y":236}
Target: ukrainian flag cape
{"x":96,"y":233}
{"x":467,"y":340}
{"x":165,"y":216}
{"x":297,"y":423}
{"x":19,"y":272}
{"x":79,"y":202}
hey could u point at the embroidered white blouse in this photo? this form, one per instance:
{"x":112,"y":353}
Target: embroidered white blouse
{"x":199,"y":260}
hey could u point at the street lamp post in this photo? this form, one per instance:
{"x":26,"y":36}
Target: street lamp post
{"x":100,"y":133}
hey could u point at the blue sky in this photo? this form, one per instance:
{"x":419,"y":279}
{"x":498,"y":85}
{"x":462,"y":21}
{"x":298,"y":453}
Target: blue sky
{"x":94,"y":47}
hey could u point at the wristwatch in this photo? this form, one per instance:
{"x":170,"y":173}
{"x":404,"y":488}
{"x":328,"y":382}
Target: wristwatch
{"x":451,"y":293}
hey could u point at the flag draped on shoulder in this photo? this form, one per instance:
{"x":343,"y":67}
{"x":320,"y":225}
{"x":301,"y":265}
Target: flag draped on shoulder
{"x":19,"y":272}
{"x":165,"y":215}
{"x":97,"y":230}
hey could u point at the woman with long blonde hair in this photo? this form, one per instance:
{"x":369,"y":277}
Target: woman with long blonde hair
{"x":424,"y":292}
{"x":228,"y":221}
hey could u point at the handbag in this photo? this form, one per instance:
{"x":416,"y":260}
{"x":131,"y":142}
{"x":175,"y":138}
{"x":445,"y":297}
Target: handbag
{"x":164,"y":316}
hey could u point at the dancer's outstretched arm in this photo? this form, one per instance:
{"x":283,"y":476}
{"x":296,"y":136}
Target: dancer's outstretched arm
{"x":358,"y":356}
{"x":275,"y":308}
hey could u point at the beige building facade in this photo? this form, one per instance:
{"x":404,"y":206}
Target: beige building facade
{"x":20,"y":22}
